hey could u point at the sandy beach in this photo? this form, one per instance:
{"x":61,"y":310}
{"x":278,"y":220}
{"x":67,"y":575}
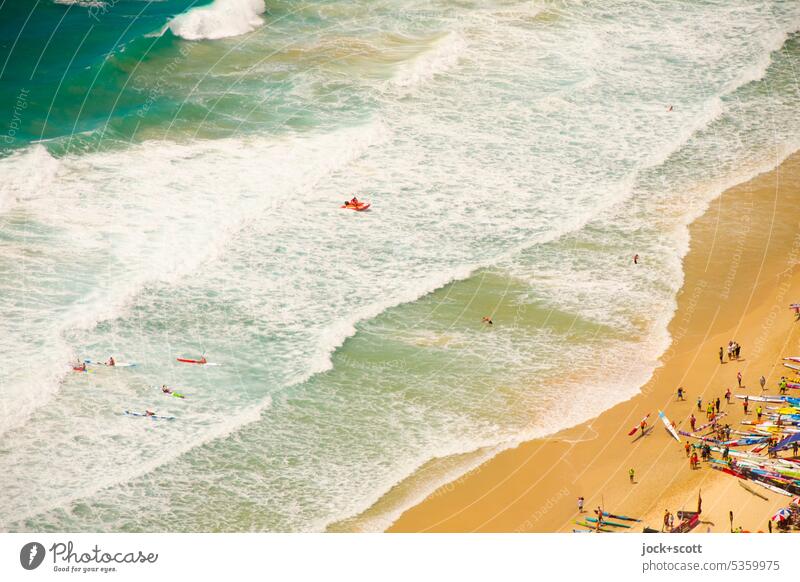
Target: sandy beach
{"x":739,"y":281}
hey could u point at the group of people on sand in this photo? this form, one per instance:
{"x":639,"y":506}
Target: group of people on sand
{"x":712,"y":406}
{"x":720,"y":432}
{"x":746,"y":407}
{"x":705,"y":454}
{"x":734,"y":350}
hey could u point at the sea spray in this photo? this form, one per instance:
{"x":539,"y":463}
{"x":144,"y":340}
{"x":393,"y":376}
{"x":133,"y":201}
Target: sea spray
{"x":220,"y":19}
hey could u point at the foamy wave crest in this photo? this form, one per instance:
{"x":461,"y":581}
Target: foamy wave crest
{"x":334,"y":336}
{"x":24,"y":173}
{"x":442,"y":55}
{"x":82,"y":3}
{"x":221,"y":19}
{"x":66,"y":196}
{"x":132,"y":471}
{"x":756,"y":71}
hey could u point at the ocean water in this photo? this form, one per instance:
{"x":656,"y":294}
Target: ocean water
{"x":171,"y":176}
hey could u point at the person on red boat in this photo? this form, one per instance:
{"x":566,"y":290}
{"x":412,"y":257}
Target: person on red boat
{"x":355,"y":204}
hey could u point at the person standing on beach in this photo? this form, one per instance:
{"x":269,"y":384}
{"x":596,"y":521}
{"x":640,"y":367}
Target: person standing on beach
{"x":643,"y":426}
{"x":688,"y":448}
{"x":665,"y":523}
{"x":720,"y":355}
{"x":680,"y":393}
{"x":744,"y":405}
{"x":631,"y":474}
{"x":599,"y":513}
{"x":717,"y":403}
{"x":739,"y":378}
{"x":692,"y":421}
{"x":699,"y":403}
{"x":783,"y":385}
{"x":580,"y":504}
{"x":763,"y":382}
{"x":728,"y":396}
{"x":795,"y":446}
{"x":759,"y":411}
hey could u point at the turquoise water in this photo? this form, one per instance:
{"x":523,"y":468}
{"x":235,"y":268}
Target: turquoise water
{"x":171,"y":181}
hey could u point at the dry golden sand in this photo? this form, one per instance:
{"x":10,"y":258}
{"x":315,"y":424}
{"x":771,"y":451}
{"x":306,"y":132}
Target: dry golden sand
{"x":739,"y":281}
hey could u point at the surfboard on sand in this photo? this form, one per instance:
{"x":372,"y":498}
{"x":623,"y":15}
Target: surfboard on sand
{"x":669,"y":426}
{"x":635,"y":428}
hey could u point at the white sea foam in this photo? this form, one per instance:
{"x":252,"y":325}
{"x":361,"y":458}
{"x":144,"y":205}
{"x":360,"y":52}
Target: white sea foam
{"x":122,"y":472}
{"x":26,"y":173}
{"x":149,"y":233}
{"x":220,"y":19}
{"x":437,"y":59}
{"x":83,"y":3}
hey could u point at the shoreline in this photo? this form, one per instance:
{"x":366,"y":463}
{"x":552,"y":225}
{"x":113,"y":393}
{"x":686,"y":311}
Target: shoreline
{"x":738,"y":282}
